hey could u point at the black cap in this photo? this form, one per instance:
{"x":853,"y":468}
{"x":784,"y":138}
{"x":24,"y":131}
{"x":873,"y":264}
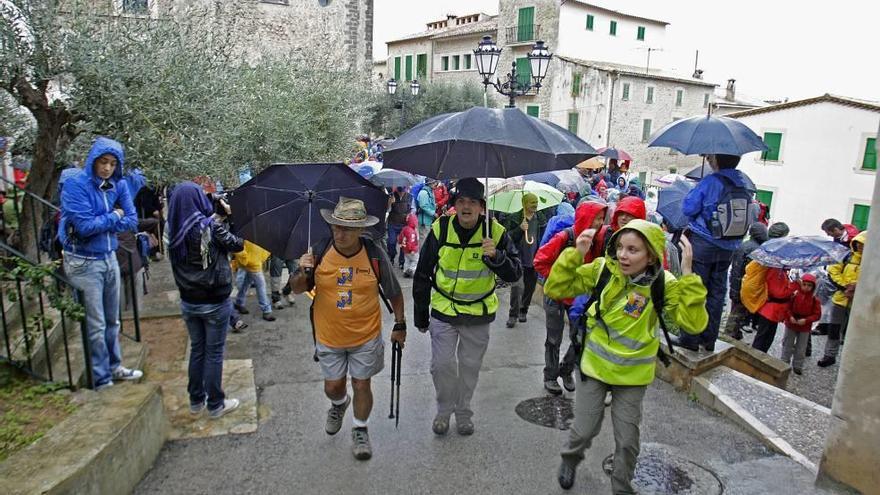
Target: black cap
{"x":469,"y":187}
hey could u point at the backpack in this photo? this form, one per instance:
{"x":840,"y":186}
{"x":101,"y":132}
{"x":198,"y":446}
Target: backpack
{"x":753,"y":291}
{"x":372,"y":252}
{"x":414,"y":192}
{"x":658,"y":297}
{"x":734,"y":213}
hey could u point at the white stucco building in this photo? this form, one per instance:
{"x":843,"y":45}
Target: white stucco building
{"x":822,"y":160}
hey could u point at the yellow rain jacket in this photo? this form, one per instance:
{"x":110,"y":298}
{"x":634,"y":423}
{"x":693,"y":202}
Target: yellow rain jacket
{"x":626,"y":353}
{"x":753,"y":292}
{"x":847,"y":273}
{"x":250,"y":259}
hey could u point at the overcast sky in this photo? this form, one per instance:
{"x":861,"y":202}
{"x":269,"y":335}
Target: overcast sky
{"x":774,"y":49}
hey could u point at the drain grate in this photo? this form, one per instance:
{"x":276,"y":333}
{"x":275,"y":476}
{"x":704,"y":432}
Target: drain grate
{"x":550,"y":411}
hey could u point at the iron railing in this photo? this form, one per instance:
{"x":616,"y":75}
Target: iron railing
{"x":523,"y":33}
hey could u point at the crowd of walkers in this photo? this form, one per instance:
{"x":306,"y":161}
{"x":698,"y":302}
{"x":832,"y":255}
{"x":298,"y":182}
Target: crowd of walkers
{"x":607,"y":264}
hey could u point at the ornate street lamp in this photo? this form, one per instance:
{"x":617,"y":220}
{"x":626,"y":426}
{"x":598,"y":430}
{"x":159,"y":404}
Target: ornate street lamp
{"x":392,"y":86}
{"x":487,"y":55}
{"x":414,"y":87}
{"x":400,"y":101}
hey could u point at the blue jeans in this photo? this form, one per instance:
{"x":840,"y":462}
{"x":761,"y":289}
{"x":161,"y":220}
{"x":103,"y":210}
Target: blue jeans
{"x":99,"y":282}
{"x":393,"y":232}
{"x":711,"y":264}
{"x":244,"y":279}
{"x":207,"y":324}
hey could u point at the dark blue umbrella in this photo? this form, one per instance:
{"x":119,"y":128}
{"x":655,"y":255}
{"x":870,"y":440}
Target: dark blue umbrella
{"x":544,"y":178}
{"x":698,"y":173}
{"x":708,"y":135}
{"x":799,"y":252}
{"x":669,"y":204}
{"x":279,"y":209}
{"x":485,"y":142}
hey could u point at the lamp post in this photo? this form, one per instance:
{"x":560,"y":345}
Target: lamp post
{"x":400,"y":102}
{"x":487,"y":55}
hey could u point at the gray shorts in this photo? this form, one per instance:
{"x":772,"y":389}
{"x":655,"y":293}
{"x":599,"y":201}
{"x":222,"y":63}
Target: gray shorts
{"x":361,"y":362}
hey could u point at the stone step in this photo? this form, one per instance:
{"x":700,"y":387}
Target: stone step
{"x":789,"y":424}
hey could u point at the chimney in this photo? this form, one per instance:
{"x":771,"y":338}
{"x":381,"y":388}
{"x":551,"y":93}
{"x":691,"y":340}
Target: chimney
{"x":730,"y":94}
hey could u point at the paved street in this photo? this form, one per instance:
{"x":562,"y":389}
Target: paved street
{"x":290,"y":453}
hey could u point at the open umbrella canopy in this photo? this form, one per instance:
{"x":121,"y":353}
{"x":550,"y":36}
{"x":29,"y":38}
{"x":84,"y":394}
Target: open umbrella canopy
{"x":708,"y":135}
{"x":279,"y":209}
{"x":548,"y":178}
{"x":670,"y":178}
{"x":485,"y":142}
{"x":799,"y":252}
{"x":507,"y":196}
{"x":669,"y":204}
{"x":615,"y":154}
{"x":569,"y":180}
{"x":394,"y":178}
{"x":594,"y":163}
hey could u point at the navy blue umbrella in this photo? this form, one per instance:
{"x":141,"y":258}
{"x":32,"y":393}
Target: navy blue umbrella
{"x":544,"y":178}
{"x":485,"y":142}
{"x":799,"y":252}
{"x":669,"y":204}
{"x":708,"y":135}
{"x":279,"y":209}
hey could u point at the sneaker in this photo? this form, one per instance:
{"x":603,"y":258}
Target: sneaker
{"x":566,"y":475}
{"x":291,"y":299}
{"x":276,"y":296}
{"x":239,"y":326}
{"x":826,"y":361}
{"x":268,"y":317}
{"x":241,"y":309}
{"x":552,"y":386}
{"x":465,"y":426}
{"x":361,"y":448}
{"x":278,"y":304}
{"x":748,"y":329}
{"x":196,"y":409}
{"x":123,"y":373}
{"x":104,"y":386}
{"x":568,"y":382}
{"x":511,"y":322}
{"x":229,"y":405}
{"x":440,"y":425}
{"x":335,"y":415}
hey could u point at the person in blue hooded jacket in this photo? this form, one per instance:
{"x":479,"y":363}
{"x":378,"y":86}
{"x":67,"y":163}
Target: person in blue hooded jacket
{"x":96,"y":206}
{"x":712,"y":256}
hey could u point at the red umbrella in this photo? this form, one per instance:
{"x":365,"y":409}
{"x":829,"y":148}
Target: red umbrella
{"x":615,"y":154}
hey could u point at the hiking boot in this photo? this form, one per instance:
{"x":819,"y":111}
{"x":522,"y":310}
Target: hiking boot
{"x":440,"y":425}
{"x":677,"y":342}
{"x":826,"y":361}
{"x":523,"y":317}
{"x":511,"y":322}
{"x":229,"y":405}
{"x":123,"y":373}
{"x":464,"y":426}
{"x":568,"y":382}
{"x":335,"y":415}
{"x":276,"y":296}
{"x":709,"y":347}
{"x":798,"y":371}
{"x":361,"y":448}
{"x":552,"y":386}
{"x":268,"y":317}
{"x":241,"y":309}
{"x":278,"y":305}
{"x":566,"y":475}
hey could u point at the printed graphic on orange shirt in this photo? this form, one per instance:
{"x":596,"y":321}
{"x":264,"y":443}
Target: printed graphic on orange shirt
{"x":346,"y":276}
{"x":344,"y":300}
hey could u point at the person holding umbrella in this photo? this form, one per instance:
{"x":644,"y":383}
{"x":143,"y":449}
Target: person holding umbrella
{"x":349,"y":276}
{"x":460,"y":262}
{"x":525,"y":228}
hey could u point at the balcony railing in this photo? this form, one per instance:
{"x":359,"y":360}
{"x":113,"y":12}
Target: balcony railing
{"x":523,"y":33}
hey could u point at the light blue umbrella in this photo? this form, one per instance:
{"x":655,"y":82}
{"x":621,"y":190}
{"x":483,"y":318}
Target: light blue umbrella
{"x":669,"y":204}
{"x":393,"y":178}
{"x":799,"y":252}
{"x":705,"y":135}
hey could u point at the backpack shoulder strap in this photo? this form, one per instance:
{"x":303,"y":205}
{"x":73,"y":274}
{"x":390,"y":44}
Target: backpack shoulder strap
{"x":569,"y":231}
{"x":374,"y":255}
{"x":604,"y":277}
{"x":444,"y":231}
{"x":658,"y":298}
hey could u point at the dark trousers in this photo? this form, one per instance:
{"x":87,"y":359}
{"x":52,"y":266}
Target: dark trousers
{"x":711,"y":264}
{"x":393,"y":232}
{"x":207,"y":325}
{"x":521,"y":292}
{"x":553,"y":367}
{"x":765,"y":334}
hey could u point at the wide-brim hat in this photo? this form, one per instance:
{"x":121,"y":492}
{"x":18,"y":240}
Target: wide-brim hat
{"x":349,"y":212}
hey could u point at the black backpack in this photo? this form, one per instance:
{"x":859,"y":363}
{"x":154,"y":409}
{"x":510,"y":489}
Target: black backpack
{"x":735,"y":212}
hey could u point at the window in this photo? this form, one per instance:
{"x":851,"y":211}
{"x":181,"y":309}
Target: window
{"x":640,"y":35}
{"x":444,"y":63}
{"x":646,"y":130}
{"x":467,"y":61}
{"x":575,"y":85}
{"x":523,"y":72}
{"x":409,"y":68}
{"x":612,"y":30}
{"x":279,"y":2}
{"x":679,"y":97}
{"x":625,"y":93}
{"x":590,"y":21}
{"x":525,"y":30}
{"x":649,"y":94}
{"x":533,"y":110}
{"x":706,"y":100}
{"x":765,"y":197}
{"x":773,"y":140}
{"x":573,"y":122}
{"x":860,"y":216}
{"x":421,"y":65}
{"x":455,"y":62}
{"x":869,"y":161}
{"x":136,"y":6}
{"x":397,"y":68}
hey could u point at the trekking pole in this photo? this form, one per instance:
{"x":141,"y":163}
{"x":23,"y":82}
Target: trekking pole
{"x":399,"y":357}
{"x":393,"y":377}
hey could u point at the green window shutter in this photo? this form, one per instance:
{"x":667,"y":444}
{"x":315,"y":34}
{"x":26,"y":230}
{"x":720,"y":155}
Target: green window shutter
{"x":773,"y":140}
{"x":649,"y":95}
{"x":625,"y":95}
{"x":646,"y":129}
{"x":422,"y":65}
{"x":590,"y":21}
{"x":397,"y":68}
{"x":526,"y":26}
{"x":869,"y":162}
{"x":613,"y":28}
{"x":467,"y":61}
{"x":573,"y":122}
{"x":444,"y":62}
{"x":860,"y":216}
{"x":575,"y":85}
{"x":641,"y":33}
{"x":455,"y":62}
{"x":523,"y":71}
{"x":409,"y":68}
{"x":765,"y":197}
{"x":679,"y":96}
{"x":533,"y":110}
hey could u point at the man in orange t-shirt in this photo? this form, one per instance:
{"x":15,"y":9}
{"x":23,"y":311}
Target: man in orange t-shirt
{"x":347,"y":318}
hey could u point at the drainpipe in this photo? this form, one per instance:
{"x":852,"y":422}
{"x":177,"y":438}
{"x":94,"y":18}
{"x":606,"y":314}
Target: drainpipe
{"x":613,"y":77}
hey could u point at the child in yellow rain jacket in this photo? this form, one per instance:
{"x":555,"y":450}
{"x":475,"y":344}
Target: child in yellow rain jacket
{"x":249,"y":263}
{"x":845,"y":276}
{"x":621,"y":345}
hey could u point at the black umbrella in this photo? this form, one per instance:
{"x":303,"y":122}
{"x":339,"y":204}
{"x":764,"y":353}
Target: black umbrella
{"x":486,"y":142}
{"x":279,"y":209}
